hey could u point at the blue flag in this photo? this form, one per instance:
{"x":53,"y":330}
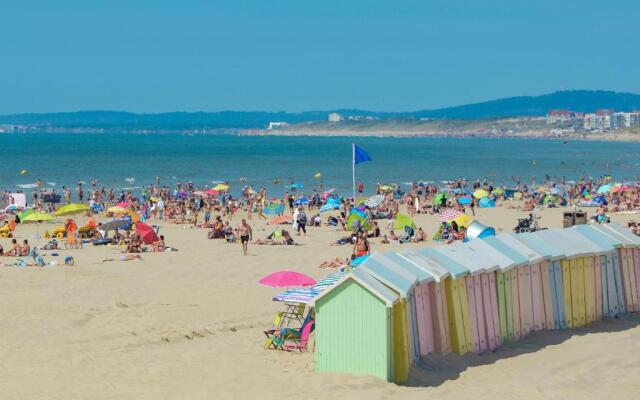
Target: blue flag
{"x":359,"y":155}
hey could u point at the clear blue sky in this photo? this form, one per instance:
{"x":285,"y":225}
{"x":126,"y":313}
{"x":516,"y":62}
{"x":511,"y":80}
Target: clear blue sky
{"x":190,"y":55}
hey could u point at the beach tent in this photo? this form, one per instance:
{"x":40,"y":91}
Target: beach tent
{"x":354,"y":320}
{"x":477,"y":230}
{"x":401,"y":221}
{"x":437,"y":301}
{"x":486,"y":202}
{"x":457,"y":302}
{"x":402,"y":283}
{"x":607,"y":264}
{"x":357,"y":219}
{"x":481,"y":292}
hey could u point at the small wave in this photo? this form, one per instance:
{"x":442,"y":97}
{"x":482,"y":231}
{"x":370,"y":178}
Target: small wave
{"x":51,"y":183}
{"x":130,"y":180}
{"x":131,"y":188}
{"x":28,"y":185}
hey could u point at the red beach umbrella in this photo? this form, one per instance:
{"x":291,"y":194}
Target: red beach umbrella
{"x":147,"y":234}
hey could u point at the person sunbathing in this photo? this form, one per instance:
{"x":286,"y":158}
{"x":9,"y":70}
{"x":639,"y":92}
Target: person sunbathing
{"x":335,"y":263}
{"x":343,"y":240}
{"x":384,"y":240}
{"x":393,"y":236}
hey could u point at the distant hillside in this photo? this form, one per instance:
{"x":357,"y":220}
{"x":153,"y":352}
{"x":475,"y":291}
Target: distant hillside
{"x":577,"y":100}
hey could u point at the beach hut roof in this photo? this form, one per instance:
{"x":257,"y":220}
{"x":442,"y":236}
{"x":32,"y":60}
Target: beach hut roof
{"x":627,"y":237}
{"x":571,"y":245}
{"x":513,"y":245}
{"x":421,"y":274}
{"x":473,"y":258}
{"x":451,"y":265}
{"x":368,"y":282}
{"x":505,"y":256}
{"x":438,"y":272}
{"x":543,"y":247}
{"x":389,"y":273}
{"x":599,"y":238}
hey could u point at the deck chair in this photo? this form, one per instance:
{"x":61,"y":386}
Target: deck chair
{"x":299,"y":343}
{"x":270,"y":333}
{"x":294,"y":312}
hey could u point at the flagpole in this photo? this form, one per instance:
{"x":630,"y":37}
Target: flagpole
{"x":353,"y":168}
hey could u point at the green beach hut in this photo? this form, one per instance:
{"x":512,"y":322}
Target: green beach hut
{"x":354,"y":333}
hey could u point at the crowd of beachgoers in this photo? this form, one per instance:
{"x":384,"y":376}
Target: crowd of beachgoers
{"x":385,"y":212}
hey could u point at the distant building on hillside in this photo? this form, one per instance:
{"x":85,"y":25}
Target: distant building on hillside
{"x":564,"y":118}
{"x":601,"y":121}
{"x":362,"y":118}
{"x":626,"y":119}
{"x":335,"y":117}
{"x":276,"y":125}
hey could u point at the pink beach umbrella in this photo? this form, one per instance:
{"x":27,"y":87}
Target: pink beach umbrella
{"x":123,"y":204}
{"x":287,"y":279}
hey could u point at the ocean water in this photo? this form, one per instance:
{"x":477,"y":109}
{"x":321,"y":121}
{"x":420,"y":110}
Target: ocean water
{"x":134,"y":160}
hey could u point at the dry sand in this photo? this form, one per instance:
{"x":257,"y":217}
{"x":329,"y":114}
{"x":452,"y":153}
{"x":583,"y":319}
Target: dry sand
{"x":188,"y":325}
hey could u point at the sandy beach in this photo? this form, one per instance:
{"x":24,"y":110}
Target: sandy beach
{"x":189,"y":324}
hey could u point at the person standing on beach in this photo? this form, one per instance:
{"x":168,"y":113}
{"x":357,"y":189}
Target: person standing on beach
{"x":160,"y":207}
{"x":245,"y":233}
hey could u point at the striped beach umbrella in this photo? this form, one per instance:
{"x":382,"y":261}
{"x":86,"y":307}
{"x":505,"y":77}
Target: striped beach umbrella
{"x":328,"y":280}
{"x":449,"y":215}
{"x":374,"y":201}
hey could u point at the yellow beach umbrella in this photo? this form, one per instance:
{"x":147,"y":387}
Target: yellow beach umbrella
{"x":70,"y":209}
{"x":37,"y":217}
{"x":221,"y":187}
{"x":463,"y":220}
{"x":386,"y":188}
{"x":480,"y":193}
{"x":117,"y":210}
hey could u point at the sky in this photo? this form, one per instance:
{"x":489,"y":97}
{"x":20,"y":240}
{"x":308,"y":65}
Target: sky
{"x":277,"y":55}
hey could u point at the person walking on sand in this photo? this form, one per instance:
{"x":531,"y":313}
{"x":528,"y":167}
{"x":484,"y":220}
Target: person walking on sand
{"x":245,"y":233}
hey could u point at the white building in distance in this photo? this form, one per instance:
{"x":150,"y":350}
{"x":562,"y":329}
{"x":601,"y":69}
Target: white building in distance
{"x":335,"y":117}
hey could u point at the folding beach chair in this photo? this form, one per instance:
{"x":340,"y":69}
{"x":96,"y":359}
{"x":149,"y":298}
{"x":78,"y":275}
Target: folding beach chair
{"x":275,"y":327}
{"x":299,"y":343}
{"x":293,"y":312}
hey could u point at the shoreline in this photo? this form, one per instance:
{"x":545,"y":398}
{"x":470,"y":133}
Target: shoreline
{"x":628,"y":136}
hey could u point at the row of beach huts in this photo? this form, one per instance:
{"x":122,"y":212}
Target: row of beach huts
{"x":472,"y":297}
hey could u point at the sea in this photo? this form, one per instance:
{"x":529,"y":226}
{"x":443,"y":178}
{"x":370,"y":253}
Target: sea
{"x":132,"y":161}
